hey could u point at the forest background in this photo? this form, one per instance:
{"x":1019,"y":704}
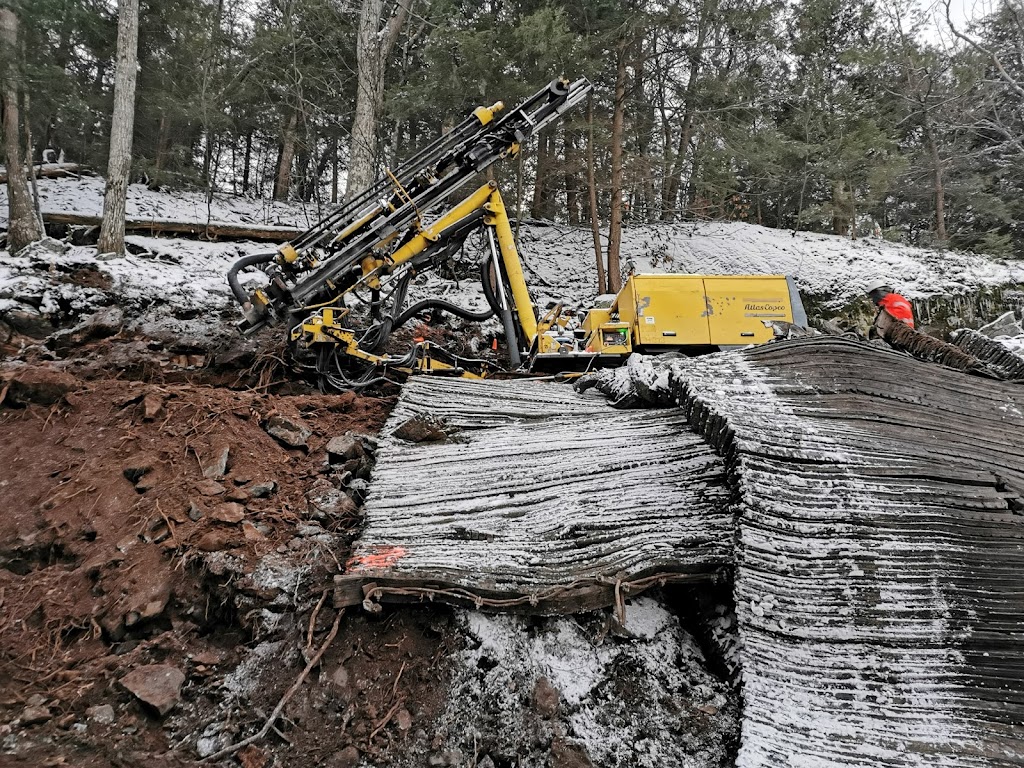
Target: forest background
{"x":843,"y":116}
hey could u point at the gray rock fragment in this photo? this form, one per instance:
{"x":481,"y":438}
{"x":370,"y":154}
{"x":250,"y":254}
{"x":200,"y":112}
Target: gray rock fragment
{"x":292,"y":433}
{"x":216,"y":466}
{"x":35,"y":715}
{"x":327,"y":501}
{"x":422,"y":429}
{"x":262,"y":489}
{"x":102,"y":714}
{"x":1004,"y":325}
{"x":351,"y":445}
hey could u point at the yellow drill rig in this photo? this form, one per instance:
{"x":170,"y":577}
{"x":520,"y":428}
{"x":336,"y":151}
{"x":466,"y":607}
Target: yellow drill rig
{"x":342,"y":286}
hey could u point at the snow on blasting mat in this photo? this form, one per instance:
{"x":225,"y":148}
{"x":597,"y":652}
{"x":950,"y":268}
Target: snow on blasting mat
{"x":879,"y":552}
{"x":541,"y":499}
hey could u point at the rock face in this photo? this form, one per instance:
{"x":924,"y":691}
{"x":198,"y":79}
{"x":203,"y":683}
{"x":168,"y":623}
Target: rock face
{"x":1004,"y":325}
{"x":484,"y":512}
{"x":156,"y":685}
{"x":552,"y":691}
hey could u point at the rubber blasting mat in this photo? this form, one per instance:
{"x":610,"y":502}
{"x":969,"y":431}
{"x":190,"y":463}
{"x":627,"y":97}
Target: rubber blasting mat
{"x":537,"y":499}
{"x":880,"y":551}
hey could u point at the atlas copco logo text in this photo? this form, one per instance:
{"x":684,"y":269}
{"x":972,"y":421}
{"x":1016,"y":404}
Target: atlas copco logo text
{"x":759,"y":306}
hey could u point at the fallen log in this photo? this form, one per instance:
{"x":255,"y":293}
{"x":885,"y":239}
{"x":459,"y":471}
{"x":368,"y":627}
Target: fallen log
{"x":211,"y":231}
{"x":48,"y":171}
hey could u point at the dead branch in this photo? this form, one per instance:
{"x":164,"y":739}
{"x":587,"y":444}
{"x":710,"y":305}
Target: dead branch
{"x":206,"y":231}
{"x":269,"y":724}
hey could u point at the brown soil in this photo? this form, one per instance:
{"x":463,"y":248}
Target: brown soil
{"x":112,"y":556}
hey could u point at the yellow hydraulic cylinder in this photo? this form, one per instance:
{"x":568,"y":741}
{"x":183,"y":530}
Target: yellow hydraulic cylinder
{"x":429,"y":235}
{"x":497,"y":218}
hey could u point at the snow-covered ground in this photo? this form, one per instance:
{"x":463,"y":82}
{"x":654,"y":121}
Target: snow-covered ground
{"x":641,"y":697}
{"x":826,"y":266}
{"x":188,"y":275}
{"x":84,"y":196}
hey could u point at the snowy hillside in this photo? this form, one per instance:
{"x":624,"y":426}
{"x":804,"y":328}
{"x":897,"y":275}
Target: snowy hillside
{"x":189,"y":274}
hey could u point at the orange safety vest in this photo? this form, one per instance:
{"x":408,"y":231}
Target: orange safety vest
{"x":898,"y":307}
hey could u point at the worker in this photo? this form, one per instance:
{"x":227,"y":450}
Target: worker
{"x":882,"y":294}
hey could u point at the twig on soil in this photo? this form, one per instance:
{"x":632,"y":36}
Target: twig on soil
{"x":3,"y":392}
{"x":269,"y":724}
{"x":386,"y":719}
{"x":394,"y":688}
{"x":169,"y":524}
{"x":312,"y":621}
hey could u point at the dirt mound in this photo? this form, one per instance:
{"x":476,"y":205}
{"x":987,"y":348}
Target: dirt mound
{"x":154,"y":523}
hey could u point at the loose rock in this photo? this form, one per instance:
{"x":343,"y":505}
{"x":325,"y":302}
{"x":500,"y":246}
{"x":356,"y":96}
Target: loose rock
{"x":138,"y":467}
{"x":35,"y":715}
{"x":37,"y":385}
{"x":102,"y":714}
{"x":566,"y":755}
{"x":545,"y":698}
{"x":217,"y":465}
{"x":345,"y":447}
{"x":292,"y":433}
{"x":228,"y":512}
{"x":262,"y":489}
{"x":324,"y":499}
{"x":156,"y":685}
{"x":422,"y":429}
{"x":211,"y":488}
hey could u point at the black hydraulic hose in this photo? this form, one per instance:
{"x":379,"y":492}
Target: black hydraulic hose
{"x":242,"y":263}
{"x":465,"y":314}
{"x":485,"y":282}
{"x":507,"y":322}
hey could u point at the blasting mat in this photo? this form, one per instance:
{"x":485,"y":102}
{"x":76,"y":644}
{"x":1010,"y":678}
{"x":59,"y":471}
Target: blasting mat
{"x":880,"y":561}
{"x":543,"y":500}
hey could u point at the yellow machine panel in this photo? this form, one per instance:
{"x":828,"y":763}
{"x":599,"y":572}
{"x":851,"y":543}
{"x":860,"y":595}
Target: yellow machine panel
{"x":665,"y":310}
{"x":699,"y":310}
{"x":739,"y":307}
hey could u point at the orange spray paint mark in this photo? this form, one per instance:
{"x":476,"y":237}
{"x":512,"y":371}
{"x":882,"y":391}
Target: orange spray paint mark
{"x":376,"y":557}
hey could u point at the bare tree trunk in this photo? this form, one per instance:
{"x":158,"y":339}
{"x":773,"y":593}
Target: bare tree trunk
{"x":373,"y":46}
{"x":23,"y":226}
{"x":121,"y":125}
{"x":618,"y":129}
{"x":940,"y":190}
{"x":162,"y":141}
{"x":27,"y":123}
{"x":572,"y":176}
{"x":842,"y":206}
{"x":595,"y":223}
{"x":334,"y":170}
{"x":283,"y":180}
{"x":670,"y":190}
{"x":247,"y":162}
{"x":542,"y":193}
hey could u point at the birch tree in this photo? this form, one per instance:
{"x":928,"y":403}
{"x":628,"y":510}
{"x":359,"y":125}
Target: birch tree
{"x":376,"y":39}
{"x":23,"y":226}
{"x":121,"y":125}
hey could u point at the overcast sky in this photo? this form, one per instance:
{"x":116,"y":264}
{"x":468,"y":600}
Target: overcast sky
{"x":960,"y":11}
